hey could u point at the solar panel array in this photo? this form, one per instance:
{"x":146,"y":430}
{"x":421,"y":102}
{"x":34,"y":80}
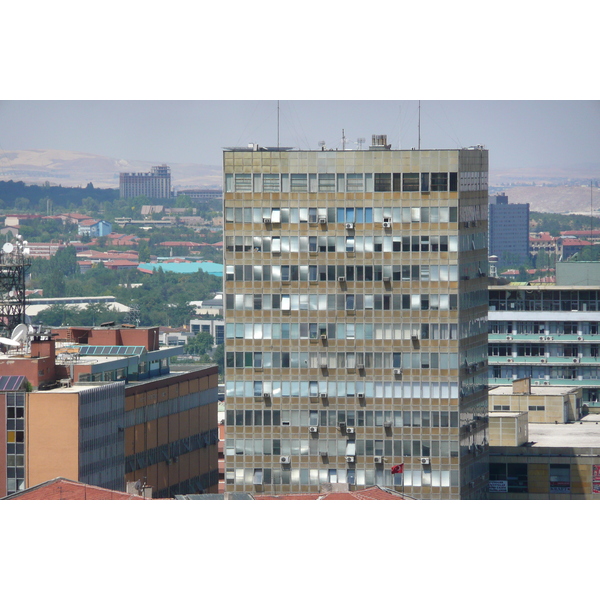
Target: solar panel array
{"x":111,"y":350}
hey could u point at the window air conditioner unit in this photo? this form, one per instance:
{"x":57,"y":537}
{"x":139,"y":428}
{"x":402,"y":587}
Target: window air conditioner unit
{"x":387,"y":279}
{"x":542,"y":338}
{"x":424,"y":461}
{"x":549,"y":339}
{"x":360,"y":365}
{"x":387,"y":423}
{"x":546,"y":383}
{"x":313,"y":429}
{"x":323,"y":395}
{"x":387,"y":224}
{"x":378,"y":460}
{"x":342,"y":425}
{"x":323,"y":453}
{"x":323,"y":365}
{"x":349,"y":429}
{"x":397,"y":371}
{"x":349,"y":459}
{"x":580,"y":339}
{"x":575,"y":360}
{"x":341,"y":279}
{"x":509,"y":337}
{"x":360,"y":396}
{"x":544,"y":360}
{"x":266,"y":396}
{"x":322,"y":220}
{"x":349,"y":225}
{"x":285,"y":460}
{"x":323,"y":336}
{"x":266,"y":221}
{"x":511,"y":360}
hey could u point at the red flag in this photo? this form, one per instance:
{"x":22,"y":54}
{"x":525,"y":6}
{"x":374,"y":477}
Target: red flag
{"x":398,"y":468}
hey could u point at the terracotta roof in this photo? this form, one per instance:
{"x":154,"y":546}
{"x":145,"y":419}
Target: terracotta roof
{"x":371,"y":493}
{"x":66,"y":489}
{"x":573,"y":242}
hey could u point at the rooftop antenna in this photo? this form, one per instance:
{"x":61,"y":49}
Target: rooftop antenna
{"x":360,"y":141}
{"x":419,"y":124}
{"x":591,"y":211}
{"x":278,"y":123}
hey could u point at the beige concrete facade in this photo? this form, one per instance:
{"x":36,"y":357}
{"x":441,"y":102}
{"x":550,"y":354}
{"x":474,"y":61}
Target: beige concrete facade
{"x":545,"y":404}
{"x":355,"y":310}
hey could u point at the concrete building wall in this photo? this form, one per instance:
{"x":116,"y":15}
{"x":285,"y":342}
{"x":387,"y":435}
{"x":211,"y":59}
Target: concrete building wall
{"x":546,"y":473}
{"x":419,"y":199}
{"x":51,"y":437}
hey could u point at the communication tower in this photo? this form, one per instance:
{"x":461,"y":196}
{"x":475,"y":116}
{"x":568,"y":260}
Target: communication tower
{"x":14,"y":262}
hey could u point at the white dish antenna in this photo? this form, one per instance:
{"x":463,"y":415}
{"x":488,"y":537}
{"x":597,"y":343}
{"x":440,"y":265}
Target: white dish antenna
{"x":20,"y":333}
{"x":8,"y":342}
{"x":8,"y":248}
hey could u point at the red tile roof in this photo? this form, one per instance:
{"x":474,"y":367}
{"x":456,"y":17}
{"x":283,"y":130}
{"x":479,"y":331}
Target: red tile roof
{"x":371,"y":493}
{"x":66,"y":489}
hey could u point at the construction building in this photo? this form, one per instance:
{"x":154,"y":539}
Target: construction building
{"x":356,"y":320}
{"x":155,"y":184}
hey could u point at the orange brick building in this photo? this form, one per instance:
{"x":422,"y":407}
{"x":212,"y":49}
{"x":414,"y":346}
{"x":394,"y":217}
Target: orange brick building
{"x":101,"y":406}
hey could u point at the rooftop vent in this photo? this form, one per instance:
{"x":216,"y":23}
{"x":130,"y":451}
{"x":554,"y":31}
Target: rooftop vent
{"x":379,"y":142}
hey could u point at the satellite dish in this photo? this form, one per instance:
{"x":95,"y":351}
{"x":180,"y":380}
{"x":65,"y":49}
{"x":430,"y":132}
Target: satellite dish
{"x":8,"y":342}
{"x":8,"y":247}
{"x":20,"y":332}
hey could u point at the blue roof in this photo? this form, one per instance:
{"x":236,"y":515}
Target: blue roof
{"x":208,"y":267}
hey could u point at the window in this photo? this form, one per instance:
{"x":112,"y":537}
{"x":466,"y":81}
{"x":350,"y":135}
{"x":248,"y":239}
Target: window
{"x":439,"y":182}
{"x":383,"y":182}
{"x":410,"y":182}
{"x":560,"y":479}
{"x":511,"y":478}
{"x":326,"y":182}
{"x":271,"y":183}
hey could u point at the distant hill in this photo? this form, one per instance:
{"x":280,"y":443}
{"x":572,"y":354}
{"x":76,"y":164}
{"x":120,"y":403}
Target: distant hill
{"x":553,"y":199}
{"x":67,"y":168}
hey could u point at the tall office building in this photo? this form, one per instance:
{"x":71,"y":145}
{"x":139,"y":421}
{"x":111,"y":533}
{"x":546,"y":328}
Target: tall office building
{"x":509,"y":231}
{"x":156,"y":184}
{"x":356,"y":320}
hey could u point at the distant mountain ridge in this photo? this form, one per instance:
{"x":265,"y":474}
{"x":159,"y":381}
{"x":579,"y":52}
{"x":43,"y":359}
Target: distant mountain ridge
{"x":73,"y":169}
{"x":542,"y":188}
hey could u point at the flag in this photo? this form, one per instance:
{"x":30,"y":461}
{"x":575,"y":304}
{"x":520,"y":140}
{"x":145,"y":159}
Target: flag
{"x":398,"y":468}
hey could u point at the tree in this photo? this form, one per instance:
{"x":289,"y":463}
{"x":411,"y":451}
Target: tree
{"x":201,"y":343}
{"x":219,"y":358}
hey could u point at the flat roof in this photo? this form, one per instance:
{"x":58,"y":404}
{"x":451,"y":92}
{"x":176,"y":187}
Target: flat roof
{"x":536,"y":390}
{"x":580,"y":434}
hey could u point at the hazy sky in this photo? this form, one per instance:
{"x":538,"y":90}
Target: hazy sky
{"x":517,"y":133}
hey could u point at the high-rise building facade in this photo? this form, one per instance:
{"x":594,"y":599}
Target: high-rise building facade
{"x":509,"y":231}
{"x":356,"y":320}
{"x":156,"y":184}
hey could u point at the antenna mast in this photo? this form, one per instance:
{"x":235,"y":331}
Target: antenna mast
{"x":419,"y":125}
{"x":278,"y":123}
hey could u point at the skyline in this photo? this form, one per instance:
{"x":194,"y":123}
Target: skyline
{"x":518,"y":133}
